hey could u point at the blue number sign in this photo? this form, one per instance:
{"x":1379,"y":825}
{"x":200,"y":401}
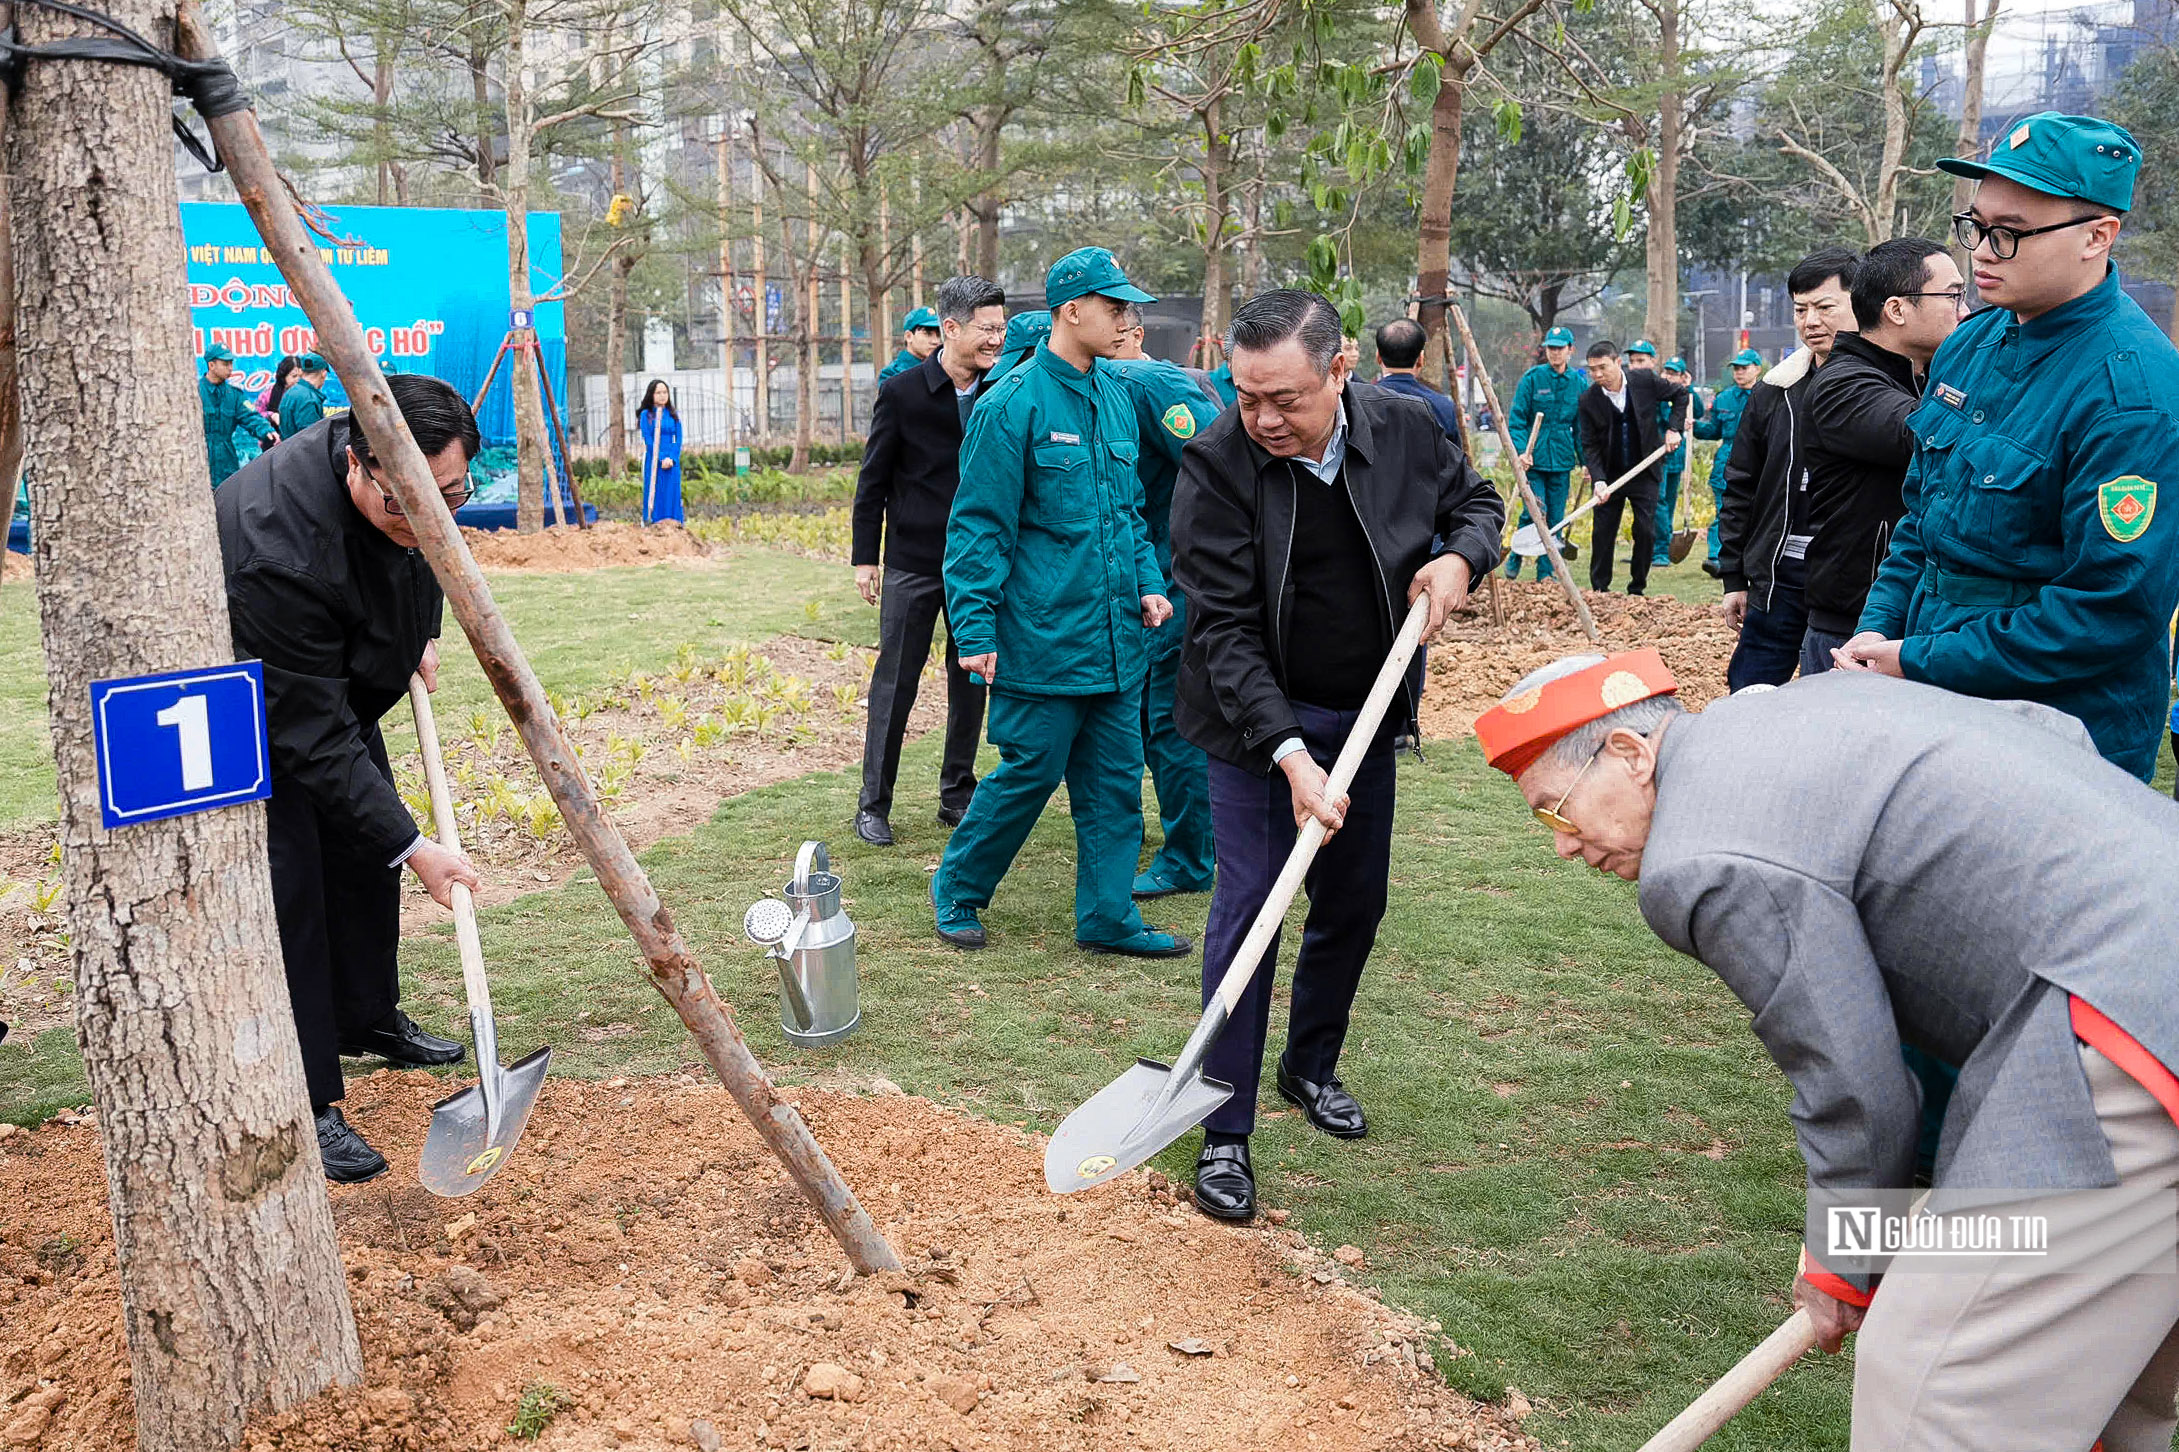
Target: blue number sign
{"x":185,"y":741}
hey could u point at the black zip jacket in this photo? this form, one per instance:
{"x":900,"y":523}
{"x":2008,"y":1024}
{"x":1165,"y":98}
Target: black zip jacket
{"x":1859,"y":447}
{"x":911,"y":468}
{"x":339,"y":614}
{"x":1765,"y":481}
{"x":1233,"y":527}
{"x":1596,"y":418}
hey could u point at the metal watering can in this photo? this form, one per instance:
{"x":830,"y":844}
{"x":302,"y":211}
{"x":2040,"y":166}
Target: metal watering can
{"x":811,"y":939}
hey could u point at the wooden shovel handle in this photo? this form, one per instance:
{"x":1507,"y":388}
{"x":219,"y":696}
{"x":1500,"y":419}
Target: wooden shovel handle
{"x":474,"y":983}
{"x":1793,"y":1339}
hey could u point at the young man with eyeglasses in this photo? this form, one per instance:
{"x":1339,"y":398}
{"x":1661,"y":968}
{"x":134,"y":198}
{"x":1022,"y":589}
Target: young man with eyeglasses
{"x":2033,"y":561}
{"x":1861,"y":886}
{"x":1907,"y":299}
{"x":911,"y":468}
{"x":326,"y":587}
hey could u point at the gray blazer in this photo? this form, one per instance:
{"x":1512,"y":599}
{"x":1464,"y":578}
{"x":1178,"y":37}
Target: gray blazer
{"x":1866,"y":860}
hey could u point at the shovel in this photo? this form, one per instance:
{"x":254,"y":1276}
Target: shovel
{"x":1153,"y":1104}
{"x":1684,"y":532}
{"x":472,"y":1133}
{"x":1528,"y":539}
{"x":1794,"y":1338}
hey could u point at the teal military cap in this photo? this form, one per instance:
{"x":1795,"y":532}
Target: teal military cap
{"x":217,"y":354}
{"x":2063,"y":156}
{"x":1559,"y":338}
{"x":1676,"y":364}
{"x":920,"y":318}
{"x":1745,"y":357}
{"x":311,"y":363}
{"x":1089,"y":270}
{"x":1026,"y":330}
{"x":1642,"y":345}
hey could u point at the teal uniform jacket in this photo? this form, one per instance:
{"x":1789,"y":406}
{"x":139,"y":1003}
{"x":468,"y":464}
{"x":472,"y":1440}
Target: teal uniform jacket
{"x":300,"y":407}
{"x":902,"y":362}
{"x":227,"y":408}
{"x":2036,"y":560}
{"x":1170,"y":409}
{"x":1555,"y":396}
{"x":1221,"y":379}
{"x":1047,"y":555}
{"x":1676,"y":461}
{"x":1721,"y":421}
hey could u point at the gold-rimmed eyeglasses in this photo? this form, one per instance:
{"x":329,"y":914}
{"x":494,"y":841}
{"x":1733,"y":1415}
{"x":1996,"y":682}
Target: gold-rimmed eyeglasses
{"x":1554,"y":816}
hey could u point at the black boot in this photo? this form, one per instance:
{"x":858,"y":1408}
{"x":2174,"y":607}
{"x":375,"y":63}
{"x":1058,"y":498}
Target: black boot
{"x":1225,"y":1182}
{"x":348,"y":1160}
{"x":398,"y":1040}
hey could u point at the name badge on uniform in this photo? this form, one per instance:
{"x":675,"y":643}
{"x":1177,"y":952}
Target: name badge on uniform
{"x":1059,"y":438}
{"x":1950,"y":397}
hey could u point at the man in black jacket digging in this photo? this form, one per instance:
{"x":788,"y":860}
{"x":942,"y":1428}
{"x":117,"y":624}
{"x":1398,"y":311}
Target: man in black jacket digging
{"x":1303,"y":523}
{"x":1907,"y":299}
{"x":1618,"y":418}
{"x":326,"y":587}
{"x":911,"y":467}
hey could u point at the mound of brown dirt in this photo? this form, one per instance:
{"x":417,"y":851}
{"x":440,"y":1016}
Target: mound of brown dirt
{"x":15,"y":567}
{"x":567,"y":548}
{"x":1474,"y":663}
{"x":646,"y":1260}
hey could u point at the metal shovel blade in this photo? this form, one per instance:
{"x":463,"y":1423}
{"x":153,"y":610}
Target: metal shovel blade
{"x":473,"y":1133}
{"x":1124,"y":1124}
{"x":1683,"y":540}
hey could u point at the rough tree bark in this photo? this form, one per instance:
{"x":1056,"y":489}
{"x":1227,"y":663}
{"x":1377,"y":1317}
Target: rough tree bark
{"x":1969,"y":140}
{"x":1217,"y":171}
{"x":1662,"y":245}
{"x":990,"y":124}
{"x":529,"y":411}
{"x":232,"y":1291}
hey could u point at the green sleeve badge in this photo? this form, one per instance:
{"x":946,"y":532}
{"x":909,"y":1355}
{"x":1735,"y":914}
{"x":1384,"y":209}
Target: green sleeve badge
{"x":1180,"y":423}
{"x":2127,"y":504}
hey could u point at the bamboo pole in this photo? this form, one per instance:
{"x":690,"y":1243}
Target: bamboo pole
{"x":1520,"y":475}
{"x":674,"y":971}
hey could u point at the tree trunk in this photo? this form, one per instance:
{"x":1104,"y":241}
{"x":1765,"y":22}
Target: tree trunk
{"x":1969,"y":140}
{"x":616,"y":332}
{"x":1434,"y":230}
{"x":1898,"y":41}
{"x":1252,"y":239}
{"x":529,"y":413}
{"x":1663,"y":242}
{"x":232,"y":1292}
{"x":480,"y":92}
{"x":990,"y":123}
{"x":1217,"y":169}
{"x":381,"y":127}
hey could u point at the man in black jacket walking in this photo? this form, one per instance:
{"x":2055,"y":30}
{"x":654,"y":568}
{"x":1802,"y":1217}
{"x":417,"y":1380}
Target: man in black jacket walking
{"x":911,"y":467}
{"x":326,"y":587}
{"x":1618,"y":419}
{"x":1763,"y":530}
{"x":1303,"y":523}
{"x":1907,"y":299}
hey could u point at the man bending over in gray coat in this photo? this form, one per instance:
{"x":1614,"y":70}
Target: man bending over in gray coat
{"x":1859,"y":885}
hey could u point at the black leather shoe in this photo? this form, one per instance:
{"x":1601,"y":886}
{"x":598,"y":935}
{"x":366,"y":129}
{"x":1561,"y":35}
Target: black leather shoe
{"x":1225,"y":1182}
{"x":348,"y":1160}
{"x":874,"y":829}
{"x":951,"y":816}
{"x":398,"y":1040}
{"x":1328,"y":1105}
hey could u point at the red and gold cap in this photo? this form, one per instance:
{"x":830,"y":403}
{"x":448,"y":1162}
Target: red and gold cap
{"x":1517,"y":731}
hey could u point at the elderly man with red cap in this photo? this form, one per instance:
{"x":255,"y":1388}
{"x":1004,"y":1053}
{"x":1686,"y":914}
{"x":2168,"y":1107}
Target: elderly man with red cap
{"x":1858,"y":886}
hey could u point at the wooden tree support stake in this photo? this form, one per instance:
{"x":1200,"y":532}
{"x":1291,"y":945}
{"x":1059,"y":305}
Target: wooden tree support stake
{"x":674,"y":972}
{"x":1520,"y":477}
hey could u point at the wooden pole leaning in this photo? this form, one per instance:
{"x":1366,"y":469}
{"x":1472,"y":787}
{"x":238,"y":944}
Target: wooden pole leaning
{"x":673,"y":970}
{"x":1520,"y":478}
{"x":1794,"y":1338}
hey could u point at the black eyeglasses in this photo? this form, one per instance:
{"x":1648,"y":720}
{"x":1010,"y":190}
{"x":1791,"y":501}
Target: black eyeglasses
{"x":455,"y":497}
{"x":1958,"y":295}
{"x":2005,"y":241}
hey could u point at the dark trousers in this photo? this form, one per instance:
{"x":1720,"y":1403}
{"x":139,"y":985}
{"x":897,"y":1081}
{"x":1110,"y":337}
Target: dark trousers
{"x":908,"y":609}
{"x":1816,"y":648}
{"x":1770,"y":640}
{"x":1252,"y":823}
{"x":1641,"y":497}
{"x":339,"y":913}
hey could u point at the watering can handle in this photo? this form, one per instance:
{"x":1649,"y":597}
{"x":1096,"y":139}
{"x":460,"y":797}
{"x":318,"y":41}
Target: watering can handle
{"x":812,"y":858}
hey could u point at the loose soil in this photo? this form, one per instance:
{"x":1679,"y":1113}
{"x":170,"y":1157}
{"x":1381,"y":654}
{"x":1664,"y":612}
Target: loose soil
{"x":645,"y":1260}
{"x":568,"y":548}
{"x":1475,"y":661}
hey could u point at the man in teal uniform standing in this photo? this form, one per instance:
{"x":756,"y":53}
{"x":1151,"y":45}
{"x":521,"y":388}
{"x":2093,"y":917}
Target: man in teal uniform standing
{"x":1170,"y":409}
{"x":2034,"y":562}
{"x":1721,"y":421}
{"x":1642,"y":355}
{"x":1551,"y":388}
{"x":304,"y":402}
{"x":1051,"y":580}
{"x":919,"y":338}
{"x":227,"y":408}
{"x":1668,"y":497}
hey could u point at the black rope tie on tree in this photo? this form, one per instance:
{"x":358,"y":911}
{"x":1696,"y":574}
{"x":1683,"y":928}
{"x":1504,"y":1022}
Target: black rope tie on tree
{"x":209,"y":86}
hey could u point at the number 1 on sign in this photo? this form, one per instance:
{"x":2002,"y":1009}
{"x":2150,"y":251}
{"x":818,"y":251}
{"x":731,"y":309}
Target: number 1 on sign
{"x":187,"y":715}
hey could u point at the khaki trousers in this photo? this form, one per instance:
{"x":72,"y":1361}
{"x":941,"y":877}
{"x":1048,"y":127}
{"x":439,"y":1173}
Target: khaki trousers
{"x":1996,"y":1360}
